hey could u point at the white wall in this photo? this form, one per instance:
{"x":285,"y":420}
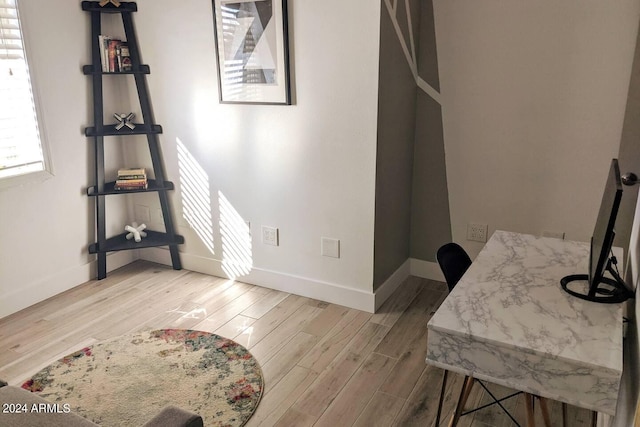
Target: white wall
{"x":533,"y":98}
{"x":46,"y":226}
{"x":308,"y":169}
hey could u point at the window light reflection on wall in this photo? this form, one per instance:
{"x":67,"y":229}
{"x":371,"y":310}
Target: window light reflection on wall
{"x":236,"y":250}
{"x":236,"y":240}
{"x":196,"y":199}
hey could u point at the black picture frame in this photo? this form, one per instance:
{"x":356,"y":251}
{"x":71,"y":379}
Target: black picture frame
{"x":252,"y":51}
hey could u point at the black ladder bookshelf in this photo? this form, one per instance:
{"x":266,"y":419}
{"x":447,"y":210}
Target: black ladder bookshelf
{"x":99,"y":130}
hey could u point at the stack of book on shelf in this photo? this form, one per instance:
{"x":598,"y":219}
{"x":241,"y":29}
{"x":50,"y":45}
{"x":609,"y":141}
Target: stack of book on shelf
{"x":131,"y":179}
{"x":114,"y":54}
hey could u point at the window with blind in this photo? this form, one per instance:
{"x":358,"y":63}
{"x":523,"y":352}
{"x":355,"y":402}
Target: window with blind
{"x":21,"y":150}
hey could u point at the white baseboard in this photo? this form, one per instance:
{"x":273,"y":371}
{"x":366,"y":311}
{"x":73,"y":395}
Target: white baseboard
{"x":311,"y":288}
{"x":303,"y":286}
{"x":411,"y":267}
{"x":390,"y":285}
{"x":29,"y":294}
{"x":426,"y":270}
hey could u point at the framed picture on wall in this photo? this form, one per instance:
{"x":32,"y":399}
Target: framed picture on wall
{"x":252,"y":51}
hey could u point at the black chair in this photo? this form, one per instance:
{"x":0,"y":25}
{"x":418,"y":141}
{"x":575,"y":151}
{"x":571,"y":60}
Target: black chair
{"x":454,"y":262}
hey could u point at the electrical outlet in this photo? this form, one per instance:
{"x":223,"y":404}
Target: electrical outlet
{"x":270,"y":235}
{"x":477,"y":232}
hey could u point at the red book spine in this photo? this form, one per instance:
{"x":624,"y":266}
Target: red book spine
{"x":113,"y":61}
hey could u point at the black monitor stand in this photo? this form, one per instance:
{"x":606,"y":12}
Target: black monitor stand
{"x":614,"y":290}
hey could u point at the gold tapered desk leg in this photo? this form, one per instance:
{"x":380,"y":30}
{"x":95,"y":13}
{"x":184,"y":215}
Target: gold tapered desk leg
{"x":528,"y":404}
{"x":462,"y":400}
{"x":545,"y":411}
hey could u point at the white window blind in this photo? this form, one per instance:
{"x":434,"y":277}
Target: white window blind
{"x":20,"y":145}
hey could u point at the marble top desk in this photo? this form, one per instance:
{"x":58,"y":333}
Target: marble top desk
{"x":509,"y":322}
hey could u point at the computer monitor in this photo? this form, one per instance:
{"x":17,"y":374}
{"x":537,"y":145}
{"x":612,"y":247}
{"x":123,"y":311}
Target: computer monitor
{"x":600,"y":288}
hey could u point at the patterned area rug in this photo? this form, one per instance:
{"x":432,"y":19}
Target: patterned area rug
{"x":127,"y":380}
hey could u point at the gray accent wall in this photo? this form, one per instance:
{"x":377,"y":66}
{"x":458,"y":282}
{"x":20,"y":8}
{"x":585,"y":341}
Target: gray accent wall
{"x":430,"y":219}
{"x":394,"y":158}
{"x":412,"y":205}
{"x":426,"y":51}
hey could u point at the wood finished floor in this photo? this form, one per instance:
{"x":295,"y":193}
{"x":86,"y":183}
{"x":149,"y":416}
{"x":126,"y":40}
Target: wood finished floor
{"x":324,"y":364}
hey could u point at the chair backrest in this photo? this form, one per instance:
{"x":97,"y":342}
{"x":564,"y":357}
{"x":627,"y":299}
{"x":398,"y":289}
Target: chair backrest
{"x":454,"y":261}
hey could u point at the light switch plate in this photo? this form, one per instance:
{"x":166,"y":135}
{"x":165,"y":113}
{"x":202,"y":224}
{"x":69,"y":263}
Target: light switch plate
{"x":330,"y":247}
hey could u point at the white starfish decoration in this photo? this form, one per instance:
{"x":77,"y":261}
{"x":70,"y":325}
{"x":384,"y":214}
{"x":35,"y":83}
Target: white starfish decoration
{"x":135,"y":231}
{"x":124,"y":120}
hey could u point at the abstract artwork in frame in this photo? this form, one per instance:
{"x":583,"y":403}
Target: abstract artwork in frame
{"x":252,"y":51}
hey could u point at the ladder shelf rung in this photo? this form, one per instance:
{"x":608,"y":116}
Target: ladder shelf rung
{"x":121,"y":243}
{"x":109,"y":188}
{"x":110,"y":130}
{"x":96,"y":69}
